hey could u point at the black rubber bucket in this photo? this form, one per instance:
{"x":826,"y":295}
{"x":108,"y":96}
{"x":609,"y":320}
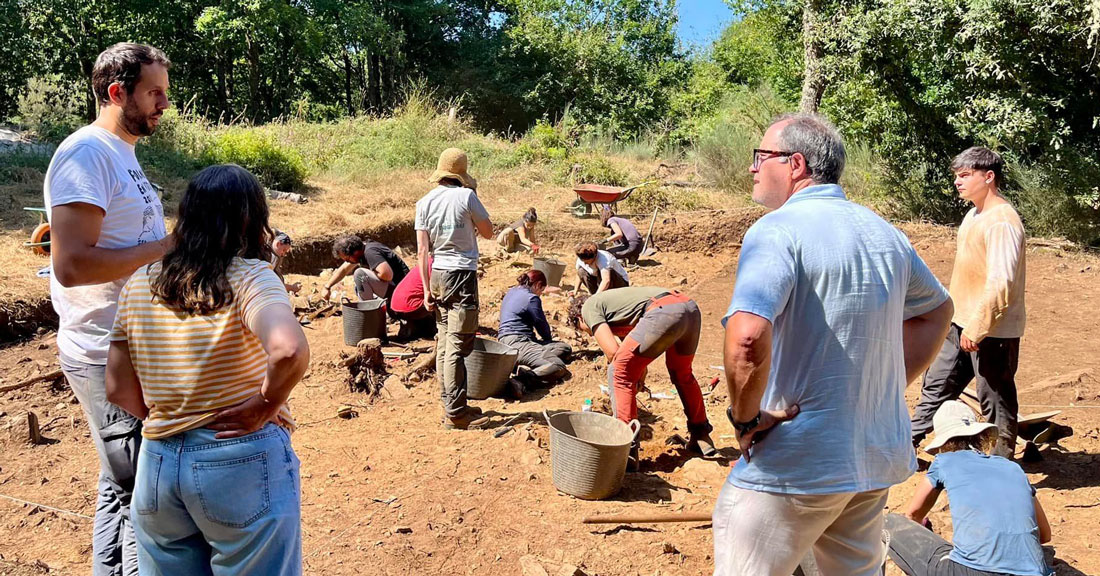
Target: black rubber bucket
{"x":366,"y":319}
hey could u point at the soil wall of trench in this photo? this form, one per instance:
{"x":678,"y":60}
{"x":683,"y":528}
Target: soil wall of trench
{"x":703,"y":232}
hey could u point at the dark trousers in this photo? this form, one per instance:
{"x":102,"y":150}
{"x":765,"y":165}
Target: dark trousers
{"x":994,"y":367}
{"x":416,"y":324}
{"x":546,"y":361}
{"x":918,"y":551}
{"x":117,"y":438}
{"x":592,"y":281}
{"x":456,"y":317}
{"x":627,"y":252}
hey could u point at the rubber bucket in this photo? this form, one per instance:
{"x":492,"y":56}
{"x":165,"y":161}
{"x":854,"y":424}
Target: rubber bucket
{"x":366,"y":319}
{"x":588,"y":453}
{"x":488,"y":368}
{"x":551,"y":267}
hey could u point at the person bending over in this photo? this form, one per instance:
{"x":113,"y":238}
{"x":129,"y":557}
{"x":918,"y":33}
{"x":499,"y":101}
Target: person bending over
{"x":377,"y":270}
{"x":520,"y":235}
{"x":280,"y":247}
{"x":625,"y":243}
{"x":523,"y":326}
{"x":407,"y":307}
{"x":651,"y":321}
{"x":598,"y":270}
{"x":998,"y":523}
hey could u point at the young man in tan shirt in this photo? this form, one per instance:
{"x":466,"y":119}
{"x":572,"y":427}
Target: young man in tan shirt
{"x":987,"y":286}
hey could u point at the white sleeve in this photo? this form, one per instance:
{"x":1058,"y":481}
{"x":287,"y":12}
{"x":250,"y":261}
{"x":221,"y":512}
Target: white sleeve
{"x":81,"y":174}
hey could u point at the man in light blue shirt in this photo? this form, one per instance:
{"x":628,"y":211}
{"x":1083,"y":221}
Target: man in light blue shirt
{"x":833,"y":313}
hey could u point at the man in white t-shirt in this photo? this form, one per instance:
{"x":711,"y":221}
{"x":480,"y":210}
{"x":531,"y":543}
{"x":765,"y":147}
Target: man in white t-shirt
{"x":598,"y":270}
{"x":106,"y":221}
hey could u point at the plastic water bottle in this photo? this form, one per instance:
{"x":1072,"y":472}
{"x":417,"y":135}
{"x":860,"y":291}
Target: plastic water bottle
{"x":587,"y":406}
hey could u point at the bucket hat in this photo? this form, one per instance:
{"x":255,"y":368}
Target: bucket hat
{"x":955,"y":420}
{"x":453,"y":164}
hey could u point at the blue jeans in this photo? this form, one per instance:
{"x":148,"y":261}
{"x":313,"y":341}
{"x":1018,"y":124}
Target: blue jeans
{"x":117,"y":437}
{"x":206,"y":506}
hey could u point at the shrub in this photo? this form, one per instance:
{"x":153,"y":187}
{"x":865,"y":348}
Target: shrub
{"x":724,"y":147}
{"x":178,"y":146}
{"x":592,"y":169}
{"x":647,"y":198}
{"x":277,"y":167}
{"x":1058,"y":196}
{"x":51,"y":108}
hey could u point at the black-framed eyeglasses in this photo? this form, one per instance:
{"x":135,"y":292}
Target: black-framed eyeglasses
{"x":760,"y":155}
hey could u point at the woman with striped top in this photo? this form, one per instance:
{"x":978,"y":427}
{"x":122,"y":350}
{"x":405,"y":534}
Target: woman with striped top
{"x":206,"y":350}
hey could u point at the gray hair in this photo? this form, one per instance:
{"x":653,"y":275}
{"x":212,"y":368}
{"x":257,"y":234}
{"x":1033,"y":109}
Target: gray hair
{"x":818,"y":141}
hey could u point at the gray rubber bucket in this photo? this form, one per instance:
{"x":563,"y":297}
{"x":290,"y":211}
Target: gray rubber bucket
{"x":588,"y":453}
{"x":488,"y":368}
{"x":366,"y":319}
{"x":551,"y":267}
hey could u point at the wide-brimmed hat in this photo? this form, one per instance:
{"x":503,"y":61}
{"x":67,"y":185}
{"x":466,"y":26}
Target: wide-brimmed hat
{"x":955,"y":420}
{"x":453,"y":164}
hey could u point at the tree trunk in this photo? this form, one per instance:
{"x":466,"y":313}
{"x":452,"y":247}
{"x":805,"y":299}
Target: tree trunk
{"x":387,"y":78}
{"x":254,"y":71}
{"x":347,"y":83}
{"x":91,"y":103}
{"x":373,"y":81}
{"x":813,"y":80}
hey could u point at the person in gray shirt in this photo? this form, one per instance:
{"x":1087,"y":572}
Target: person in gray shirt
{"x":448,"y":221}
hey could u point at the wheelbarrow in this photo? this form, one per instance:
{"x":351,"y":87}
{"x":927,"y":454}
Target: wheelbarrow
{"x":40,"y":236}
{"x":600,"y":195}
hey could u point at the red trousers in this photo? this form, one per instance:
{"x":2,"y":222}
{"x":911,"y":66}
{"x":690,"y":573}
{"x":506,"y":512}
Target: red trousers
{"x":671,"y":325}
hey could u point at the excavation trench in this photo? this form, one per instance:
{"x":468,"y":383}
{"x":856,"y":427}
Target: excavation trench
{"x":702,"y":232}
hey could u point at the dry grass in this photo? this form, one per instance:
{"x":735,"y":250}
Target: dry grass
{"x":340,"y":204}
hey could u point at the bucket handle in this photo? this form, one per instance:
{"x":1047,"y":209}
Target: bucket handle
{"x":546,"y":415}
{"x":635,"y":427}
{"x":345,"y":300}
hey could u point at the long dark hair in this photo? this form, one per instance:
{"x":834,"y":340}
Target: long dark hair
{"x":223,"y":214}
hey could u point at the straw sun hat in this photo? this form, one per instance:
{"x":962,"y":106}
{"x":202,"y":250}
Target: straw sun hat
{"x":453,"y":164}
{"x":955,"y":420}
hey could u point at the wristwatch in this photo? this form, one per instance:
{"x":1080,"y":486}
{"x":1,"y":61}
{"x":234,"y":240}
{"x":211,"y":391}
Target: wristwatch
{"x":742,"y":427}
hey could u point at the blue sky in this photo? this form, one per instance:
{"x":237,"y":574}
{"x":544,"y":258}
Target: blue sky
{"x":701,"y":21}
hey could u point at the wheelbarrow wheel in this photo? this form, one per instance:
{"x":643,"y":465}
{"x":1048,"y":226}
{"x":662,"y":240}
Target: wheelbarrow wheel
{"x":580,"y":208}
{"x":41,"y":236}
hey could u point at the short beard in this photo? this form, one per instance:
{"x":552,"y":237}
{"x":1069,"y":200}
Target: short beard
{"x":134,"y":122}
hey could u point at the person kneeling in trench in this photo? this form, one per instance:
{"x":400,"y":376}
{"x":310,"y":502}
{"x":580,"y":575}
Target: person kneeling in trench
{"x":651,"y":321}
{"x":523,"y":326}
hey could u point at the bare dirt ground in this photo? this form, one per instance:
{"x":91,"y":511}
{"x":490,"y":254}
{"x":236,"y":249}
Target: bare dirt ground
{"x":390,"y":492}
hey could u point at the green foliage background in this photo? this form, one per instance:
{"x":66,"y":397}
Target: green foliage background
{"x":909,"y":82}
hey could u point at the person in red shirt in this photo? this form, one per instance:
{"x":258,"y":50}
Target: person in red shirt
{"x":407,"y":307}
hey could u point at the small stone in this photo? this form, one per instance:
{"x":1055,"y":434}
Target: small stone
{"x":668,"y":548}
{"x":402,"y":530}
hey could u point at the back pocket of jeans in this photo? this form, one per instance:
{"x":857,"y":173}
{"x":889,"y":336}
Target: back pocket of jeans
{"x":147,"y":484}
{"x":234,"y":493}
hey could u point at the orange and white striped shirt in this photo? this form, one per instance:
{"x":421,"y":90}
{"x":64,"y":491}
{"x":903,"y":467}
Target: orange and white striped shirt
{"x":190,"y":367}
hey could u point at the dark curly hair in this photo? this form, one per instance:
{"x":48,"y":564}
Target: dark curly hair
{"x":347,"y":245}
{"x":223,"y":215}
{"x":576,"y":305}
{"x":586,"y":250}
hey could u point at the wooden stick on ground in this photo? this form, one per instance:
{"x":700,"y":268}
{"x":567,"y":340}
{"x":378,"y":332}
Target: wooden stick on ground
{"x":41,"y":377}
{"x":643,"y":518}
